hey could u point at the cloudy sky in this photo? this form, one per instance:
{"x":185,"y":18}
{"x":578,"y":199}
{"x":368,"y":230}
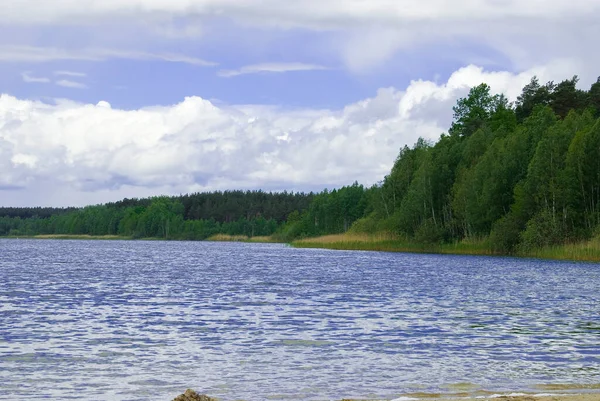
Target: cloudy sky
{"x":102,"y":100}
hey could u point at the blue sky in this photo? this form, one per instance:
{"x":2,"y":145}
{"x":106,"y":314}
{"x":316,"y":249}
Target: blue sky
{"x":134,"y":83}
{"x":147,"y":97}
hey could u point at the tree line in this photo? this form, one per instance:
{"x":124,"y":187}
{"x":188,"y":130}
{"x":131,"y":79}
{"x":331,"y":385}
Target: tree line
{"x":192,"y":216}
{"x":523,"y":174}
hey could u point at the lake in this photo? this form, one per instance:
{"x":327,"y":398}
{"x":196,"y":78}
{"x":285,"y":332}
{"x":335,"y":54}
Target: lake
{"x":144,"y":320}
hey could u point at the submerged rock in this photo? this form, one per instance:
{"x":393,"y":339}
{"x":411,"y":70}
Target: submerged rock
{"x":191,"y":395}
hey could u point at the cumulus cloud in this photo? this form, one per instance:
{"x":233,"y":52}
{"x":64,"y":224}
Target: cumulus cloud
{"x":195,"y":145}
{"x":28,"y":78}
{"x":270,"y":67}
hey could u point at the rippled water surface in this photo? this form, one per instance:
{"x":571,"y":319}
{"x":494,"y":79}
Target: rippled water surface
{"x":118,"y":320}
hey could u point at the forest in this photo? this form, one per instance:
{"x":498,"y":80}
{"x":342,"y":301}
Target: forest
{"x":188,"y":217}
{"x":522,"y":175}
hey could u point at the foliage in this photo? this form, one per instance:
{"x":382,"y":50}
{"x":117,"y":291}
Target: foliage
{"x":525,"y":175}
{"x":330,"y":212}
{"x":506,"y":177}
{"x":189,"y":217}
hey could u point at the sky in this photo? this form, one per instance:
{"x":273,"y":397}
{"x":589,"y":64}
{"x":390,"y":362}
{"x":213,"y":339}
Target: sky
{"x":101,"y":100}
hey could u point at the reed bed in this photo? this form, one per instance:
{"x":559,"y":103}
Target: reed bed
{"x":389,"y":242}
{"x":76,"y":236}
{"x":241,"y":238}
{"x":227,"y":238}
{"x":585,"y":251}
{"x":262,"y":239}
{"x":582,"y":251}
{"x":469,"y":246}
{"x":357,"y":241}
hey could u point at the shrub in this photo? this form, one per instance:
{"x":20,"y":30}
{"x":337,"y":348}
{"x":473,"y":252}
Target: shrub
{"x":505,"y":235}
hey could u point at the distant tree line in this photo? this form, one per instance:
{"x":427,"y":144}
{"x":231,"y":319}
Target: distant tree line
{"x":28,"y":212}
{"x":523,"y":174}
{"x":193,"y":216}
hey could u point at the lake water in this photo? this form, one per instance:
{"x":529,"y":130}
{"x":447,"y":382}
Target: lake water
{"x":125,"y":320}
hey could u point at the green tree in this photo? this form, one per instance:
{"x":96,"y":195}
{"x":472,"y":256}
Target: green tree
{"x":533,"y":95}
{"x":594,"y":98}
{"x":566,"y":97}
{"x":472,"y":112}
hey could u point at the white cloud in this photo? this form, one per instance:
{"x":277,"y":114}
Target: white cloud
{"x":70,"y":73}
{"x":270,"y":67}
{"x":71,"y":84}
{"x":366,"y":48}
{"x":27,"y":77}
{"x":22,"y":159}
{"x":363,"y":34}
{"x":306,"y":13}
{"x":96,"y":153}
{"x":369,"y":32}
{"x":171,"y":30}
{"x":33,"y":54}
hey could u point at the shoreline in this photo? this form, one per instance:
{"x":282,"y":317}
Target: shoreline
{"x":593,"y":395}
{"x":509,"y":396}
{"x":516,"y":396}
{"x":214,"y":238}
{"x":586,"y":251}
{"x":72,"y":236}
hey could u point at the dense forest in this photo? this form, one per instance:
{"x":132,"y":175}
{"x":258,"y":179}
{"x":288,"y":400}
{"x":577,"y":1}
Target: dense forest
{"x":192,"y":217}
{"x":523,"y":174}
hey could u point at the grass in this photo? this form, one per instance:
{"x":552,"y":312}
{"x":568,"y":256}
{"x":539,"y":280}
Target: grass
{"x":387,"y":242}
{"x":586,"y":251}
{"x":391,"y":243}
{"x":217,"y":237}
{"x":263,"y":239}
{"x":583,"y":251}
{"x":469,"y":246}
{"x":73,"y":236}
{"x":227,"y":238}
{"x":240,"y":238}
{"x":357,"y":241}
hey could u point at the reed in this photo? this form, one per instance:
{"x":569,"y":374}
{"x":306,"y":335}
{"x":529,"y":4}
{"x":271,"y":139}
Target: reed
{"x":358,"y":241}
{"x":227,"y":238}
{"x":241,"y":238}
{"x":388,"y":242}
{"x":350,"y":237}
{"x":581,"y":251}
{"x":263,"y":239}
{"x":469,"y":246}
{"x":80,"y":236}
{"x":585,"y":251}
